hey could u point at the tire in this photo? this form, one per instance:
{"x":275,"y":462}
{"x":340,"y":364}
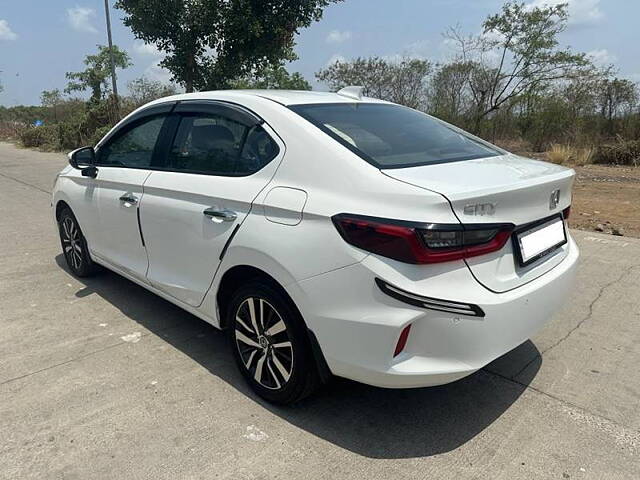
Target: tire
{"x":74,"y":246}
{"x":270,"y":344}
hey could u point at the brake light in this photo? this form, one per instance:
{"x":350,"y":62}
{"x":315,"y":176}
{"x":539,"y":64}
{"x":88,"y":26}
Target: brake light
{"x":566,"y":212}
{"x":421,"y":243}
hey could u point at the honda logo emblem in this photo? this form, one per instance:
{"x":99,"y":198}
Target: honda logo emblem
{"x":554,"y":199}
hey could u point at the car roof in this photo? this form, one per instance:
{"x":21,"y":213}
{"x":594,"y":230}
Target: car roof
{"x":283,"y":97}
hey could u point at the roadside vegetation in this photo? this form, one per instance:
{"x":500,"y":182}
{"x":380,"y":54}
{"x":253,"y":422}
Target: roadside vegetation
{"x":513,"y":84}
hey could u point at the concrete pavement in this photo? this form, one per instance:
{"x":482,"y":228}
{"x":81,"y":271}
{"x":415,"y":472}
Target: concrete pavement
{"x":101,"y":379}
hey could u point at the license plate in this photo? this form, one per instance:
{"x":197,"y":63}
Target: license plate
{"x":540,"y":239}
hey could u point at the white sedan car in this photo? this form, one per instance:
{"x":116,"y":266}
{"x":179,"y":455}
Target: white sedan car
{"x":328,"y":233}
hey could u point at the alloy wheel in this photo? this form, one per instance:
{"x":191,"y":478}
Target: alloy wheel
{"x":72,"y":243}
{"x":264,"y":343}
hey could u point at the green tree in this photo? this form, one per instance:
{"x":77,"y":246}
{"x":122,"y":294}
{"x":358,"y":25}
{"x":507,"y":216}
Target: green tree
{"x":273,"y":77}
{"x":210,"y":43}
{"x":95,"y":77}
{"x":524,"y":42}
{"x":143,"y":90}
{"x":616,"y":97}
{"x":51,"y":99}
{"x":402,"y":81}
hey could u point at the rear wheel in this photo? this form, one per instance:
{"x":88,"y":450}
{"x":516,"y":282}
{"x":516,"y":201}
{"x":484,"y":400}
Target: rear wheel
{"x":270,"y":344}
{"x":74,"y":245}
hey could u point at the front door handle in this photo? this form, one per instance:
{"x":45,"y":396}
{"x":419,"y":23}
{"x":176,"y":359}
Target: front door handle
{"x":220,"y":214}
{"x":128,"y":200}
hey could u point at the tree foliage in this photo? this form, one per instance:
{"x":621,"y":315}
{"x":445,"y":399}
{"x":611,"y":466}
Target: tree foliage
{"x":95,"y":77}
{"x":210,"y":43}
{"x":143,"y":90}
{"x":273,"y":77}
{"x":517,"y":51}
{"x":402,"y":81}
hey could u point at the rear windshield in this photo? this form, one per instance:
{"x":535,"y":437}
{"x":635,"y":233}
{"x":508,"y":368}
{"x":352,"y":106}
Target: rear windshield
{"x":391,"y":136}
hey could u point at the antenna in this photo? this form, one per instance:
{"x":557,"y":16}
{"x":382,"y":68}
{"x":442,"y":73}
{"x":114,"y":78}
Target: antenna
{"x":351,"y":92}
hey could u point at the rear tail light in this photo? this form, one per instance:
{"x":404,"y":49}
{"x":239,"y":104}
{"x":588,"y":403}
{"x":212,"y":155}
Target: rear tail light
{"x":421,"y":243}
{"x":566,"y":212}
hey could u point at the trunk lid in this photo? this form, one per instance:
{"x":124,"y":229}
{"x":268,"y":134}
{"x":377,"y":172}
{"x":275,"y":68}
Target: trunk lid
{"x":503,"y":189}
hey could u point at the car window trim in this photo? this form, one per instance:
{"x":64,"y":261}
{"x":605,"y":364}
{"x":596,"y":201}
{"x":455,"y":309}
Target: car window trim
{"x":230,"y":110}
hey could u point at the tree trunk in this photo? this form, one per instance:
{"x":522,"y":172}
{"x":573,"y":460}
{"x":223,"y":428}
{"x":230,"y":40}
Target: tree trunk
{"x":190,"y":74}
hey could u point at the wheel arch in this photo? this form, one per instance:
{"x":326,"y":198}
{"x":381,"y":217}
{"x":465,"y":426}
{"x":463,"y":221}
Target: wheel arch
{"x":60,"y":206}
{"x":239,"y":275}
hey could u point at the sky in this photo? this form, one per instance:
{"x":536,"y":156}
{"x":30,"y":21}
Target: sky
{"x":40,"y":40}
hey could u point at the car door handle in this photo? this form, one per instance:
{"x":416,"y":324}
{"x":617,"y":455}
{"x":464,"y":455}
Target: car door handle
{"x":220,"y":214}
{"x":128,"y":200}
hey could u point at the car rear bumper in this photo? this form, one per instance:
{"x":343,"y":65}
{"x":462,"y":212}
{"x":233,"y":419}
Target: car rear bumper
{"x":358,"y":325}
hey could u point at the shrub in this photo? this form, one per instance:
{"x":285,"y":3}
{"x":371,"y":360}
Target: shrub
{"x":622,"y":152}
{"x":566,"y":154}
{"x":560,"y":154}
{"x":98,"y":134}
{"x":45,"y":137}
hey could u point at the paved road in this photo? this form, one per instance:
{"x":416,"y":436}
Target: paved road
{"x":101,"y":379}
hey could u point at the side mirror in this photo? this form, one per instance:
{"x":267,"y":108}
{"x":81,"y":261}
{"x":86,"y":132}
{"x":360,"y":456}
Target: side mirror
{"x":82,"y":157}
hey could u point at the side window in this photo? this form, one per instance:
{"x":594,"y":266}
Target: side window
{"x":216,"y":145}
{"x":259,"y":149}
{"x":207,"y":144}
{"x":134,"y":148}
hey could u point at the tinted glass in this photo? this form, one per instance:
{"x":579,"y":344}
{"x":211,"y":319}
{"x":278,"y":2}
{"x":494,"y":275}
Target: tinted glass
{"x":391,"y":136}
{"x":135,"y":147}
{"x":207,"y":144}
{"x":259,"y":149}
{"x":216,"y":145}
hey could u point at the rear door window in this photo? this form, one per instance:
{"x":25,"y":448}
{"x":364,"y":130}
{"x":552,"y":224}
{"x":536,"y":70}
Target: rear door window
{"x":216,"y":145}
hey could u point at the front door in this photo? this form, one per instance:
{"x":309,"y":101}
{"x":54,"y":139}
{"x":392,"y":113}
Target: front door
{"x":123,"y":164}
{"x":218,"y":162}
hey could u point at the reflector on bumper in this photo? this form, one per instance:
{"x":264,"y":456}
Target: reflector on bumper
{"x":429,"y":303}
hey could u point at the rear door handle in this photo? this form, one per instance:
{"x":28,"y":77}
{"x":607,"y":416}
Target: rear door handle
{"x":128,"y":200}
{"x":220,"y":214}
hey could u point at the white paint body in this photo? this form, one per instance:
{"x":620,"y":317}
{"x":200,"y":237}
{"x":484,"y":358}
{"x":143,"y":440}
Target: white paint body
{"x":284,"y":215}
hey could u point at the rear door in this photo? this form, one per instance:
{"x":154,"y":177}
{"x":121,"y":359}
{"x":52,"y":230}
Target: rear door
{"x":218,"y":159}
{"x":124,"y":161}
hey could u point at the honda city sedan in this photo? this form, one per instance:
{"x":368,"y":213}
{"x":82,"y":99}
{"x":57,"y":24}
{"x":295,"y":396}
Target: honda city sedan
{"x":326,"y":233}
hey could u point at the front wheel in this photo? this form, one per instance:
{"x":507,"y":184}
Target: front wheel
{"x":270,"y":344}
{"x":74,"y":245}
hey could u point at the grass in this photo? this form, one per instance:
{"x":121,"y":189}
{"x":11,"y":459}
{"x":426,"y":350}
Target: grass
{"x":568,"y":155}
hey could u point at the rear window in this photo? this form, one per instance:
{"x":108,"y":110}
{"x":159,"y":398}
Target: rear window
{"x":392,"y":136}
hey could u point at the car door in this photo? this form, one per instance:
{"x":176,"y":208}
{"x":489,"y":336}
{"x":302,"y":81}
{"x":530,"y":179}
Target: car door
{"x":220,"y":158}
{"x":124,"y":161}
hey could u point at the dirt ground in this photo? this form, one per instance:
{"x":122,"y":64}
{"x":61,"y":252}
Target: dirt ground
{"x":607,"y":198}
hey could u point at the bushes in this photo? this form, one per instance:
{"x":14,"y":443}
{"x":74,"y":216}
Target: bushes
{"x":45,"y":137}
{"x":622,"y":152}
{"x":98,"y":134}
{"x":84,"y":127}
{"x":566,"y":154}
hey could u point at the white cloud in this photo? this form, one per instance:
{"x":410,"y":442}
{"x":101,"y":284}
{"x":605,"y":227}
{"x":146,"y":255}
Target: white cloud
{"x":156,"y":72}
{"x":581,"y":12}
{"x":602,"y":57}
{"x":149,"y":49}
{"x":336,"y":36}
{"x":80,"y":19}
{"x":336,"y":57}
{"x":5,"y":31}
